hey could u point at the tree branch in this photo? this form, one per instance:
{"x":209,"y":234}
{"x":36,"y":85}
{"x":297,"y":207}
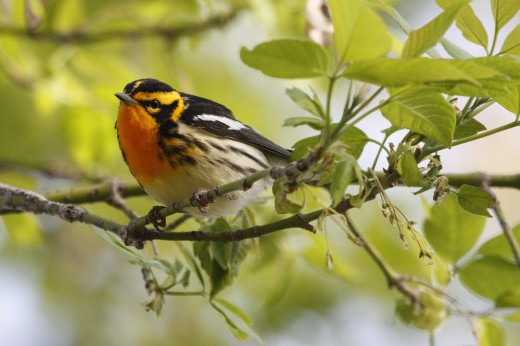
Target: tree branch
{"x":13,"y":199}
{"x":86,"y":37}
{"x":16,"y":199}
{"x":100,"y":192}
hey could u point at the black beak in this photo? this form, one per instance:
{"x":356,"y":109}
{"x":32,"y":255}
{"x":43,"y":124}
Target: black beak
{"x":125,"y":98}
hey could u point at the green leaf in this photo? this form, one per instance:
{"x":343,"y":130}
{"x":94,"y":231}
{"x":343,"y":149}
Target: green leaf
{"x":282,"y":203}
{"x":510,"y":299}
{"x":237,"y":320}
{"x":287,"y":59}
{"x":489,"y":332}
{"x":401,"y":72}
{"x":342,"y":177}
{"x":429,"y":35}
{"x":512,"y":43}
{"x":451,"y":230}
{"x":508,"y":68}
{"x":423,"y":111}
{"x":513,"y":317}
{"x":354,"y":138}
{"x":504,"y":11}
{"x":359,"y":32}
{"x":491,"y":277}
{"x":314,"y":123}
{"x":305,"y":102}
{"x":468,"y":23}
{"x":510,"y":99}
{"x":468,"y":128}
{"x":303,"y":147}
{"x":427,"y":315}
{"x":475,"y":200}
{"x":455,"y":51}
{"x":499,"y":246}
{"x":407,"y":168}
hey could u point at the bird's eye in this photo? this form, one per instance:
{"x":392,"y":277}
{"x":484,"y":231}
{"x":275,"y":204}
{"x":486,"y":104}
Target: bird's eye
{"x":155,"y":104}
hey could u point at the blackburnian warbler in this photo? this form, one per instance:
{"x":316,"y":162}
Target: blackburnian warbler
{"x":175,"y":143}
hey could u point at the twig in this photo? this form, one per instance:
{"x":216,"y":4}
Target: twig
{"x":506,"y":229}
{"x":86,"y":37}
{"x":97,"y":193}
{"x":392,"y":278}
{"x":116,"y":200}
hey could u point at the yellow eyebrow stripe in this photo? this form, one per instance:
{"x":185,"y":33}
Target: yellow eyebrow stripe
{"x":164,"y":97}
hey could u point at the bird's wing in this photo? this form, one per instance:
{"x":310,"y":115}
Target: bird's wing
{"x":219,"y":120}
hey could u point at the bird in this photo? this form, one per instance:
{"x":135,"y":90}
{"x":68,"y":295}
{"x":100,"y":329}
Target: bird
{"x":175,"y":144}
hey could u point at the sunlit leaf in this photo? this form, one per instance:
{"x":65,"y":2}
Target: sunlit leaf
{"x":508,"y":68}
{"x":407,"y":168}
{"x":513,"y":317}
{"x":455,"y":51}
{"x":504,"y":11}
{"x":354,"y":138}
{"x":22,"y":229}
{"x":468,"y":23}
{"x":287,"y":59}
{"x":304,"y":101}
{"x":428,"y":314}
{"x":429,"y":35}
{"x":343,"y":175}
{"x":489,"y":332}
{"x":423,"y":111}
{"x":475,"y":200}
{"x":358,"y":31}
{"x":510,"y":99}
{"x":314,"y":123}
{"x":282,"y":203}
{"x":491,"y":277}
{"x":512,"y":43}
{"x":468,"y":128}
{"x":451,"y":230}
{"x":236,"y":319}
{"x":401,"y":72}
{"x":499,"y":245}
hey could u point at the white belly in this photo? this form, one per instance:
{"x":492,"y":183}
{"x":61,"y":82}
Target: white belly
{"x":213,"y":169}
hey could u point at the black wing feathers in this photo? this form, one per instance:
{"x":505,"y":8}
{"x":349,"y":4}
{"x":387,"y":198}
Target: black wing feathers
{"x":246,"y":134}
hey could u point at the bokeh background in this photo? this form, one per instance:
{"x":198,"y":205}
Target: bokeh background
{"x":61,"y":284}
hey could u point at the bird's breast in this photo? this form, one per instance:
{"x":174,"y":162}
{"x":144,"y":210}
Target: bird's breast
{"x":138,"y":139}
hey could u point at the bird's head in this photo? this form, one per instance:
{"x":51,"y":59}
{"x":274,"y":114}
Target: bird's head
{"x":151,"y":99}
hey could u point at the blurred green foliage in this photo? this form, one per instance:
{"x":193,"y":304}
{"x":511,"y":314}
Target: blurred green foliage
{"x":61,"y":62}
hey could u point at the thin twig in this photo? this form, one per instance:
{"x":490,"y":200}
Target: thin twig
{"x":116,"y":200}
{"x":392,"y":278}
{"x":506,"y":229}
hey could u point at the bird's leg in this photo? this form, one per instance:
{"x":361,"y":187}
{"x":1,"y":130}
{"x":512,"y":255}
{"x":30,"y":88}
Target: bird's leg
{"x":155,"y":218}
{"x":201,"y":200}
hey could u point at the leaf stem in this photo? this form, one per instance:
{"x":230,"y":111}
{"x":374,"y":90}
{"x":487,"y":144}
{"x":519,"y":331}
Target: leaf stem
{"x":346,"y":116}
{"x":499,"y":214}
{"x":381,"y":147}
{"x":495,"y":36}
{"x":471,"y":138}
{"x":326,"y":138}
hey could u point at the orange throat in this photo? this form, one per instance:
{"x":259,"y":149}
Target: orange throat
{"x":137,"y":133}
